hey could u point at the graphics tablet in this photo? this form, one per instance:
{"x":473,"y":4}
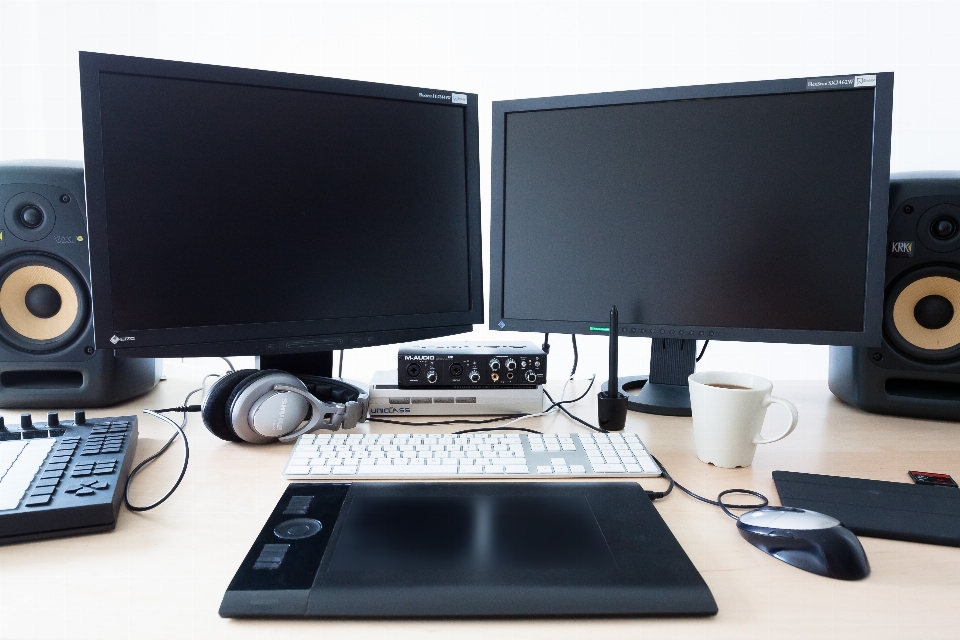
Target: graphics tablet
{"x":465,"y":549}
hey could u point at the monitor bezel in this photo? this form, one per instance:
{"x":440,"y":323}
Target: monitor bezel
{"x":272,"y":337}
{"x":877,"y":217}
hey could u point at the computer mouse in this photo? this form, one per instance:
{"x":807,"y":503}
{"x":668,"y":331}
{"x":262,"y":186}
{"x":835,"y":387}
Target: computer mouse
{"x":808,"y":540}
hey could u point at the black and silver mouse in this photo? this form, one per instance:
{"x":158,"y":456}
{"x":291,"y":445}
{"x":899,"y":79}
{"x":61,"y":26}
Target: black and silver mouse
{"x":808,"y":540}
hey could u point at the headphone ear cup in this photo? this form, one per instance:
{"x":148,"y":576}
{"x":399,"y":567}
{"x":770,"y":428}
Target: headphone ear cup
{"x":216,"y":417}
{"x":237,"y":396}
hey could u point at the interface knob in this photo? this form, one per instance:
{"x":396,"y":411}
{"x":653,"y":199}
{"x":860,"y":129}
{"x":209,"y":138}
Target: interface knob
{"x":494,"y":365}
{"x":26,"y":421}
{"x":511,"y":364}
{"x":431,"y":376}
{"x":531,"y":375}
{"x":474,"y":376}
{"x":53,"y":420}
{"x":80,"y":416}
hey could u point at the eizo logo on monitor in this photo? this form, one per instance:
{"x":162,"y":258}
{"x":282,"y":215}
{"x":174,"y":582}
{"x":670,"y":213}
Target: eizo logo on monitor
{"x":115,"y":339}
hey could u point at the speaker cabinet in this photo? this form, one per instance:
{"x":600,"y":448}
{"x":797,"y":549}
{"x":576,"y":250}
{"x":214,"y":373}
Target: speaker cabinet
{"x":916,"y":369}
{"x":47,"y":355}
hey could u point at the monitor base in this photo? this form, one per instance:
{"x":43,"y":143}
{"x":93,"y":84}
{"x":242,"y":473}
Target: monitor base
{"x":316,"y":363}
{"x":654,"y":398}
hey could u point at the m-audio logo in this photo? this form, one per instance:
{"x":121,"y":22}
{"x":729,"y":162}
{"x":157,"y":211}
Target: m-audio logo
{"x":115,"y":339}
{"x":376,"y":410}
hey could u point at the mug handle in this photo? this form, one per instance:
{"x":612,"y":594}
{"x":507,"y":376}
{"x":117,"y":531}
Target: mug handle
{"x":794,"y":418}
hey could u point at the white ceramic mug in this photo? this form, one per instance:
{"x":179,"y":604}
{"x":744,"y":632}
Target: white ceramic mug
{"x":727,"y":419}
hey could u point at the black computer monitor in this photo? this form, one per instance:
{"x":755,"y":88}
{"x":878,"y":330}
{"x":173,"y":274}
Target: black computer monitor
{"x":751,"y":211}
{"x":242,"y":212}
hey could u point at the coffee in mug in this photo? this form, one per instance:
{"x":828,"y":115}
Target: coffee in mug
{"x":728,"y":411}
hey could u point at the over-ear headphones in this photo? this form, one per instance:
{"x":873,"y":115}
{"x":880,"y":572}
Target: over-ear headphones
{"x":256,"y":406}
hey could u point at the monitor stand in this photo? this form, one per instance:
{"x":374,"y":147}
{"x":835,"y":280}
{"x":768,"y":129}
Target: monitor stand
{"x":316,"y":363}
{"x":664,"y":392}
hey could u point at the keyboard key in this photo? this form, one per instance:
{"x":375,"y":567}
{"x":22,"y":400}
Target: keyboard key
{"x":608,"y":468}
{"x":344,"y":471}
{"x":296,"y":470}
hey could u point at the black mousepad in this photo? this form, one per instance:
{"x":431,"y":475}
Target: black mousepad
{"x":895,"y":510}
{"x":465,"y":549}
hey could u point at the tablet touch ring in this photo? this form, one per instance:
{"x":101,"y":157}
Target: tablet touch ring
{"x":297,"y":528}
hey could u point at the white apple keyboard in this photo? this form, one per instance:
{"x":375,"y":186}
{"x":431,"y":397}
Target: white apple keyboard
{"x":476,"y":455}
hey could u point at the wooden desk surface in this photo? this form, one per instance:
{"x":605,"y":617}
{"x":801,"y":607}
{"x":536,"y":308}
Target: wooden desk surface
{"x":162,"y":573}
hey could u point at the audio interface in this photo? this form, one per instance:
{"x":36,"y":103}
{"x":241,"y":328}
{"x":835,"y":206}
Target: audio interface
{"x":457,"y":365}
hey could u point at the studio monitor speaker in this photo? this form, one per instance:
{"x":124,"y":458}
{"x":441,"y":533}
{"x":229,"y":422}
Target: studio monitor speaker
{"x":916,"y":369}
{"x":47,"y":356}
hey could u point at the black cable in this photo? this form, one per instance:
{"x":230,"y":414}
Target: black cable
{"x":570,"y":415}
{"x":576,"y":355}
{"x":546,"y":343}
{"x":340,"y":371}
{"x":193,"y":408}
{"x":459,"y":433}
{"x":186,"y":408}
{"x":703,"y":350}
{"x":654,"y":495}
{"x":183,"y":470}
{"x":443,"y":422}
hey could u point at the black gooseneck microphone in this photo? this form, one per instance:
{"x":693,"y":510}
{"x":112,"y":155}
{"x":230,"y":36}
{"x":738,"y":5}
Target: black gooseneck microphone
{"x":611,"y":404}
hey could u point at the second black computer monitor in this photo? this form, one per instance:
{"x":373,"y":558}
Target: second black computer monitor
{"x":750,"y":211}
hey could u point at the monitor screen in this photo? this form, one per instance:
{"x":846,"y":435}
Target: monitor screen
{"x":742,"y":212}
{"x":231,"y":205}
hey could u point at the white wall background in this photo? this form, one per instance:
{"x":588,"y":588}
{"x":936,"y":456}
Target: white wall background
{"x":505,"y":50}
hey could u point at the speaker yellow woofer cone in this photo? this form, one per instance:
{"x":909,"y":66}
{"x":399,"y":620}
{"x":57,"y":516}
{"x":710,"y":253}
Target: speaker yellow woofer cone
{"x":905,"y":321}
{"x":13,"y":293}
